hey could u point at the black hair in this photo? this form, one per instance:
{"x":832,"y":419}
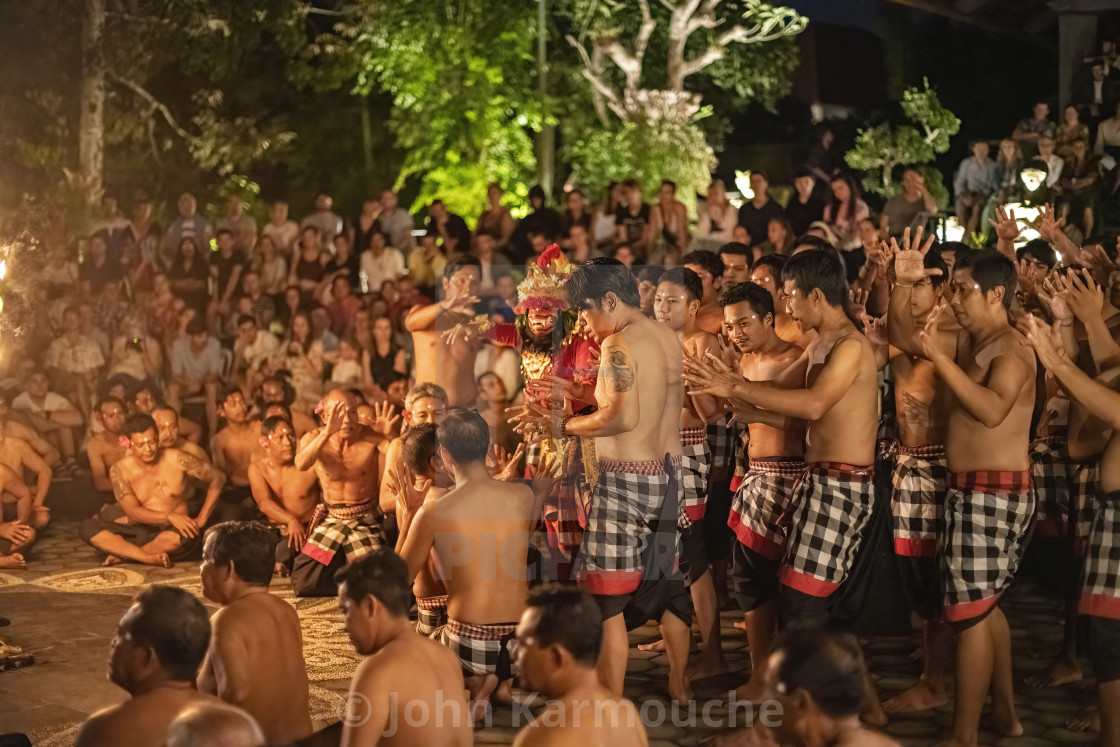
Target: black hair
{"x":934,"y":261}
{"x":774,"y":261}
{"x":1038,"y":249}
{"x":828,"y":666}
{"x":418,"y":446}
{"x":650,"y":274}
{"x":459,"y":261}
{"x":762,"y":173}
{"x":268,"y":427}
{"x":854,"y":195}
{"x":911,"y":167}
{"x":708,"y":260}
{"x":760,"y":300}
{"x":381,"y":574}
{"x":282,"y":380}
{"x":249,"y":546}
{"x":804,"y":171}
{"x":175,"y":625}
{"x":104,"y":400}
{"x":287,"y":416}
{"x":465,"y":435}
{"x":990,"y":270}
{"x":959,"y":248}
{"x":818,"y":269}
{"x":226,"y":231}
{"x":538,"y":192}
{"x":246,"y":318}
{"x":816,"y":242}
{"x":196,"y":326}
{"x":735,"y":247}
{"x":568,"y":616}
{"x":668,"y":183}
{"x":592,"y":280}
{"x":685,"y":278}
{"x":138,"y":423}
{"x":227,"y":391}
{"x":386,"y":380}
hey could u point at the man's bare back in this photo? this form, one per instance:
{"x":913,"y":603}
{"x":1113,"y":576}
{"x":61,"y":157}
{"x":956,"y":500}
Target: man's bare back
{"x":141,"y":721}
{"x":256,"y":662}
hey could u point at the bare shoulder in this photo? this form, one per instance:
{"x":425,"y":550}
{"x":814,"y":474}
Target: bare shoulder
{"x":100,"y":727}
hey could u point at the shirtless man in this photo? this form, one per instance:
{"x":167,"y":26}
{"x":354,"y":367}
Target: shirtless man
{"x":422,"y":480}
{"x":921,"y":473}
{"x":146,"y":400}
{"x":486,"y":584}
{"x":449,"y":364}
{"x":989,"y":506}
{"x":232,"y":449}
{"x":767,"y":272}
{"x":840,"y":402}
{"x":151,"y":522}
{"x":277,"y":390}
{"x":214,"y":724}
{"x":776,"y":448}
{"x":710,"y":269}
{"x":676,"y":305}
{"x":155,"y":656}
{"x":288,"y":496}
{"x":558,"y":642}
{"x":17,"y":455}
{"x":16,"y":530}
{"x":736,"y":260}
{"x":255,"y":661}
{"x":105,"y":449}
{"x":348,"y":524}
{"x":402,"y":670}
{"x":424,"y":403}
{"x":628,"y":554}
{"x":167,"y":421}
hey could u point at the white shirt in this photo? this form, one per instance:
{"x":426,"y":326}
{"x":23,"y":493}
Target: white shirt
{"x":283,"y":236}
{"x":376,"y":270}
{"x":1054,"y":164}
{"x":51,"y":403}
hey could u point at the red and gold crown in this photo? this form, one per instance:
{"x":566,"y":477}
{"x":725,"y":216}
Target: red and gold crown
{"x":543,"y":286}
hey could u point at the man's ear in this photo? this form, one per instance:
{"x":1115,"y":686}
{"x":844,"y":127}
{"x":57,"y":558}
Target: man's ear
{"x":998,"y":293}
{"x":691,"y":304}
{"x":610,"y":300}
{"x":717,"y":283}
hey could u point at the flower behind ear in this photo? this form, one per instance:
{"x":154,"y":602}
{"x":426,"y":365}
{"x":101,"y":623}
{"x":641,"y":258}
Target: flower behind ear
{"x":124,"y":442}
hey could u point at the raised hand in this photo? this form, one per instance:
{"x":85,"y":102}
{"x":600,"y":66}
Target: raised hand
{"x":505,"y":464}
{"x":909,"y":258}
{"x":930,"y":338}
{"x":545,"y":476}
{"x":384,"y":418}
{"x":710,"y":375}
{"x":1093,"y":258}
{"x":336,"y":415}
{"x":874,"y":329}
{"x":858,"y":300}
{"x":1047,"y":225}
{"x":1083,"y":296}
{"x":1025,"y":274}
{"x":459,"y":303}
{"x":464,"y":331}
{"x":402,"y":484}
{"x":1007,"y":228}
{"x":531,"y":421}
{"x":1055,"y":300}
{"x":1046,"y":341}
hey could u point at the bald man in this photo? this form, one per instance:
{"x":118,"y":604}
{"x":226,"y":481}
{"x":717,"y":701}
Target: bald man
{"x":214,"y":725}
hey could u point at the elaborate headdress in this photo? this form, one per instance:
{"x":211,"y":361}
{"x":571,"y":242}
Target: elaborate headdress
{"x":543,"y":286}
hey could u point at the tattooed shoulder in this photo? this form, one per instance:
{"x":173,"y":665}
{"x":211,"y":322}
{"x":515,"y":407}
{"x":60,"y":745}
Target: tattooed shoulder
{"x":619,"y":370}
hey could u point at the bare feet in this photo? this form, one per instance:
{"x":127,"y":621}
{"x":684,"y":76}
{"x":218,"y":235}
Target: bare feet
{"x":160,"y":559}
{"x":111,"y":560}
{"x":1005,"y":722}
{"x":872,"y":713}
{"x":921,"y":697}
{"x":1087,"y":720}
{"x":659,"y":646}
{"x":708,"y":666}
{"x":1062,"y":671}
{"x":680,"y":691}
{"x":14,"y":561}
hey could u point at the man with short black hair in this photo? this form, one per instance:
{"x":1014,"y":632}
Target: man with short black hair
{"x":196,"y":368}
{"x":155,"y":656}
{"x":558,"y":642}
{"x":226,"y":266}
{"x":736,"y":260}
{"x":902,"y":210}
{"x":451,"y":228}
{"x":401,"y":670}
{"x":105,"y":449}
{"x":255,"y":661}
{"x":167,"y":421}
{"x":709,"y":268}
{"x":232,"y":449}
{"x":756,"y":213}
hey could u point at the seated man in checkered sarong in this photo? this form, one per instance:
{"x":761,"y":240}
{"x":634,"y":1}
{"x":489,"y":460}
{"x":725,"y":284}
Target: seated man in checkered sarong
{"x":347,"y":524}
{"x":629,"y":553}
{"x":989,"y":505}
{"x":776,"y":447}
{"x":1099,"y":602}
{"x":479,"y":533}
{"x":832,"y":501}
{"x":676,"y":305}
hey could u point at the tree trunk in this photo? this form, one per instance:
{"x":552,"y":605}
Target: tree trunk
{"x":91,"y":132}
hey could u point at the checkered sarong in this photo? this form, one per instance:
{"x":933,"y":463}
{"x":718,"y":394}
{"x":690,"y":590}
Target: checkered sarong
{"x":695,"y":466}
{"x":627,"y":503}
{"x":1100,"y":584}
{"x":831,"y":505}
{"x":355,"y":530}
{"x":431,"y":615}
{"x":760,"y":503}
{"x":987,"y":515}
{"x":919,"y":482}
{"x":1051,"y":475}
{"x":482,"y":649}
{"x":1086,"y":495}
{"x":722,"y":440}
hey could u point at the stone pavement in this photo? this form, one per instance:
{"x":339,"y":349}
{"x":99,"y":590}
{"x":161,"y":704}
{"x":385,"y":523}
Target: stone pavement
{"x":65,"y":609}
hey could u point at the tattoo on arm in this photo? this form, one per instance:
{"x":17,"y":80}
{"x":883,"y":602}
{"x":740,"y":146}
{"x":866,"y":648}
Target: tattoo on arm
{"x":201,"y":470}
{"x":121,"y":486}
{"x":619,"y":370}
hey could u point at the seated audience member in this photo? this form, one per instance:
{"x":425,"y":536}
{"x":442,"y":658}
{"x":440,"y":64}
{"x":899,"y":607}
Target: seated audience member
{"x":272,"y":268}
{"x":380,"y":262}
{"x":558,"y":642}
{"x":486,"y":587}
{"x":1069,"y":131}
{"x":344,"y":305}
{"x":755,"y":213}
{"x":401,"y":669}
{"x":286,"y":495}
{"x":251,"y":349}
{"x":155,"y":657}
{"x":255,"y":660}
{"x":1108,"y":144}
{"x":779,"y":238}
{"x":105,"y":448}
{"x":845,"y":211}
{"x":152,"y":520}
{"x":817,"y":677}
{"x":277,"y":390}
{"x":426,"y":262}
{"x":668,"y":218}
{"x":145,"y":400}
{"x":1080,"y":188}
{"x":1028,"y":132}
{"x":261,"y":306}
{"x":214,"y":725}
{"x":715,"y":221}
{"x":492,"y":403}
{"x":18,"y":456}
{"x":903,"y":210}
{"x":196,"y":368}
{"x":805,"y":207}
{"x":974,"y":184}
{"x":74,"y":360}
{"x":53,"y":417}
{"x":232,"y":449}
{"x":167,"y":421}
{"x":16,"y":532}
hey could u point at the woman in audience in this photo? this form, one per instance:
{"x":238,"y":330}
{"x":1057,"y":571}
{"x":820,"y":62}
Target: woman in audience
{"x":303,"y":359}
{"x":135,"y":352}
{"x":385,"y":356}
{"x":575,"y":213}
{"x":1070,"y":131}
{"x":1080,"y":187}
{"x":292,"y":305}
{"x":496,"y":218}
{"x":189,"y":275}
{"x":779,"y":237}
{"x":602,"y":222}
{"x":717,"y":219}
{"x":271,"y":267}
{"x":845,"y":211}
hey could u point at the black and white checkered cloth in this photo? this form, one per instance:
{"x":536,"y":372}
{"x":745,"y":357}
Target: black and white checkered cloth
{"x":1100,"y":586}
{"x":1085,"y":494}
{"x":831,"y":506}
{"x":355,"y":530}
{"x":627,"y":503}
{"x":1052,"y":473}
{"x":482,"y":649}
{"x":695,"y":468}
{"x":919,"y":481}
{"x":431,"y":615}
{"x":722,"y":442}
{"x":761,"y":501}
{"x":987,"y":515}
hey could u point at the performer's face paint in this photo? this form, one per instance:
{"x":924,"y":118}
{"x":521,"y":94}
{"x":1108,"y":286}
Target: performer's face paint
{"x":427,"y":410}
{"x":541,"y":321}
{"x":744,"y":327}
{"x":965,"y":297}
{"x":670,"y":306}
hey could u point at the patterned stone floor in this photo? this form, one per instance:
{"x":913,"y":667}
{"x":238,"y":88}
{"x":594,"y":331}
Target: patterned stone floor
{"x":65,"y":608}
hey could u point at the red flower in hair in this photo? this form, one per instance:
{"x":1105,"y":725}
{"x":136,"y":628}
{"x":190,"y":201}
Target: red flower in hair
{"x":319,"y":408}
{"x":551,"y":252}
{"x":124,"y":442}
